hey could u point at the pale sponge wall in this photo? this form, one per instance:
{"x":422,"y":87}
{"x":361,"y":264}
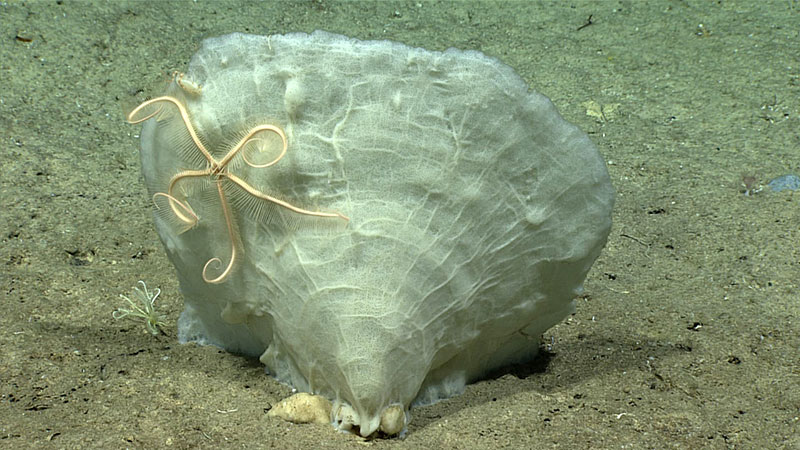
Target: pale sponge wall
{"x":475,"y":212}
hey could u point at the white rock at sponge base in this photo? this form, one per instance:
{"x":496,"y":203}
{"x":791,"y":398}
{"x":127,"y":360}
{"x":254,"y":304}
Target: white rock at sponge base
{"x":393,"y":420}
{"x":303,"y":408}
{"x":309,"y":408}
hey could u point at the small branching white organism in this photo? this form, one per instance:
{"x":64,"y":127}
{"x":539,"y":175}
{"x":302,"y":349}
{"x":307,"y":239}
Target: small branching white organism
{"x":144,"y":309}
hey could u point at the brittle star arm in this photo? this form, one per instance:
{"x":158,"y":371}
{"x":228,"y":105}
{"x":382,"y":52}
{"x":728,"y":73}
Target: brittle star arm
{"x":226,"y":212}
{"x":180,"y":208}
{"x":184,"y":116}
{"x":258,"y":194}
{"x":249,"y":137}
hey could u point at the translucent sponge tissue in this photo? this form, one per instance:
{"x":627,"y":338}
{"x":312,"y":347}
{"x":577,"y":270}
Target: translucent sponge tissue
{"x":379,"y":224}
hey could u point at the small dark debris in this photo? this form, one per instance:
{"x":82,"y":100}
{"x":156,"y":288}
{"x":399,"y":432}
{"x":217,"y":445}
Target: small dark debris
{"x":141,"y":254}
{"x":695,"y":326}
{"x":37,"y":407}
{"x":586,"y":23}
{"x":80,"y":257}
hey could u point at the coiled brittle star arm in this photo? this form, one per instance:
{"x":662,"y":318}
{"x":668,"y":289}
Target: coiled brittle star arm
{"x":230,"y":227}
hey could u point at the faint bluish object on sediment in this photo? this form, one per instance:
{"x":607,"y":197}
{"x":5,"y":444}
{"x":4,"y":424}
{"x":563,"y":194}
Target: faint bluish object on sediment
{"x":784,"y":182}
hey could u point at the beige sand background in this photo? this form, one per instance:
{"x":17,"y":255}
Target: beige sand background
{"x":688,"y":334}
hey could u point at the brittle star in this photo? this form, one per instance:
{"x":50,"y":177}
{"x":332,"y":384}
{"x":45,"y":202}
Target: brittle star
{"x":218,"y":171}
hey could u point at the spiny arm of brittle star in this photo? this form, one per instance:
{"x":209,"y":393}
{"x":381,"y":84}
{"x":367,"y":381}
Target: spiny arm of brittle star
{"x":248,"y":137}
{"x":172,"y":198}
{"x":182,"y":210}
{"x":184,"y":116}
{"x":258,"y":194}
{"x":226,"y":212}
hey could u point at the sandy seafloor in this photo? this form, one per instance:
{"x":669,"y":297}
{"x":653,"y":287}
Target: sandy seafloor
{"x":687,"y":337}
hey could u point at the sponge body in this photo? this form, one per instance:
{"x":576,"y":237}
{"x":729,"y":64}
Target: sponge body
{"x":475,"y":212}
